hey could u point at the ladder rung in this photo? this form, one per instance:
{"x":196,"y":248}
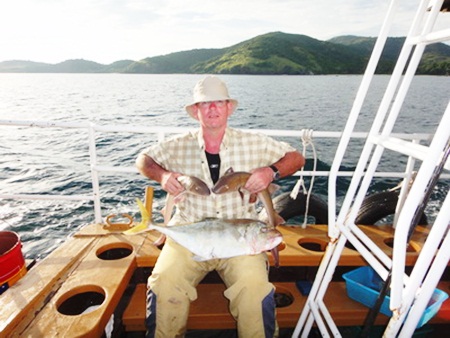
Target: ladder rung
{"x":433,"y":37}
{"x":408,"y":148}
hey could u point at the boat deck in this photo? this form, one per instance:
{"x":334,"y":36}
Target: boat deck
{"x":96,"y":266}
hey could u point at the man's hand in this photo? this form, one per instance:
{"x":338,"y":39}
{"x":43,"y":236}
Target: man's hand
{"x":170,"y":183}
{"x":259,"y":180}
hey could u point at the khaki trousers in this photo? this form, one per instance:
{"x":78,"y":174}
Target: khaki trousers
{"x":172,"y":286}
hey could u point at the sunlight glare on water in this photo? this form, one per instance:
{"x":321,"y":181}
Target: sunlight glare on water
{"x":55,"y":161}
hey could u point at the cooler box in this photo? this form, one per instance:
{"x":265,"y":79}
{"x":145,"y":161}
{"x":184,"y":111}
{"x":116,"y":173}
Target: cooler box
{"x":363,"y":285}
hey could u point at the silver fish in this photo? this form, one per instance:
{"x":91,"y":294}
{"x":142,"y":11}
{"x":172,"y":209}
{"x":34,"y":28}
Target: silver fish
{"x":217,"y":238}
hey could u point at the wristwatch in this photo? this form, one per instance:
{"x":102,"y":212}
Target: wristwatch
{"x":276,"y":173}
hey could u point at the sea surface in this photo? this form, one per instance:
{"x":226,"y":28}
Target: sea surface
{"x":56,"y":161}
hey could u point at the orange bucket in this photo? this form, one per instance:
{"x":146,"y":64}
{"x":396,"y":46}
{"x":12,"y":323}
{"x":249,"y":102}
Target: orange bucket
{"x":12,"y":263}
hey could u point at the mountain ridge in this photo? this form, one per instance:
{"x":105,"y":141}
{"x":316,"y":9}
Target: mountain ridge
{"x":275,"y":53}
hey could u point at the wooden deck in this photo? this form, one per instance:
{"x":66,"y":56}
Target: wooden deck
{"x":97,"y":264}
{"x":210,"y":310}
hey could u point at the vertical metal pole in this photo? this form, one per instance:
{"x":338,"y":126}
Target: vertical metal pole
{"x":405,"y":187}
{"x":423,"y":271}
{"x":353,"y":117}
{"x":428,"y":287}
{"x":373,"y":312}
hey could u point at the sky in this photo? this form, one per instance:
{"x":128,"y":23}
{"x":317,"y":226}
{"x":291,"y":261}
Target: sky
{"x":106,"y":31}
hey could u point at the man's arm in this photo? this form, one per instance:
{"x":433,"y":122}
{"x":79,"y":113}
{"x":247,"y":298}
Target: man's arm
{"x":290,"y":163}
{"x":148,"y":167}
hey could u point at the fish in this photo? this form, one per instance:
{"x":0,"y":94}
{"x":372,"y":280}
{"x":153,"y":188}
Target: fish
{"x":194,"y":185}
{"x":219,"y":238}
{"x":191,"y":184}
{"x":235,"y":181}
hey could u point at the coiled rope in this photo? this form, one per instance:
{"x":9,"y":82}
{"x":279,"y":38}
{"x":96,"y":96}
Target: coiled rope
{"x":306,"y":138}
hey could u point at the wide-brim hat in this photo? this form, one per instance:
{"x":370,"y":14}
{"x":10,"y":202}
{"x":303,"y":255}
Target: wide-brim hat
{"x":211,"y":88}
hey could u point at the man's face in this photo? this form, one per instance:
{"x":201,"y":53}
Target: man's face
{"x":214,"y":114}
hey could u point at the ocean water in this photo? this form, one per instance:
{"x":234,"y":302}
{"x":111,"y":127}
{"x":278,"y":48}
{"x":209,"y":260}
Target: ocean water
{"x":56,"y":161}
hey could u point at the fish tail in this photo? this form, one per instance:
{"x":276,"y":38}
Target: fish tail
{"x":160,"y":240}
{"x":276,"y":256}
{"x":145,"y":217}
{"x":241,"y":193}
{"x":278,"y":219}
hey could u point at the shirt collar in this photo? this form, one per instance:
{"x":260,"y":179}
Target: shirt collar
{"x":224,"y":144}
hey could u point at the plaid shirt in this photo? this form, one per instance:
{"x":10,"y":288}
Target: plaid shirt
{"x":242,"y":151}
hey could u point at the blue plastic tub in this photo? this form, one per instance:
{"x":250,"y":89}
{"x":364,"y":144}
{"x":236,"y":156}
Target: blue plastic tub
{"x":363,"y":285}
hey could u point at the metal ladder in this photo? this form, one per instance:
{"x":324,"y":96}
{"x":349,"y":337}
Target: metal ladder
{"x":409,"y":294}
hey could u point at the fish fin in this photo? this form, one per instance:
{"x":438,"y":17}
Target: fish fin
{"x":263,"y":217}
{"x":170,"y":201}
{"x":276,"y":257}
{"x":180,"y":197}
{"x":272,"y":188}
{"x":168,"y":208}
{"x":278,"y":219}
{"x":198,"y":258}
{"x":229,"y":171}
{"x":137,"y":229}
{"x":241,"y":193}
{"x":160,"y":240}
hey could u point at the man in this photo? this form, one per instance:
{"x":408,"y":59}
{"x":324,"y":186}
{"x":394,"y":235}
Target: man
{"x":206,"y":154}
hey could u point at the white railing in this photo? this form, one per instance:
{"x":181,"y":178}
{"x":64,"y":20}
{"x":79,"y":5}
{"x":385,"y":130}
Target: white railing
{"x":408,"y":294}
{"x":161,"y":133}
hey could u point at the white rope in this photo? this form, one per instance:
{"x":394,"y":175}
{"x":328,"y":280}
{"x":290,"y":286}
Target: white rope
{"x":307,"y":135}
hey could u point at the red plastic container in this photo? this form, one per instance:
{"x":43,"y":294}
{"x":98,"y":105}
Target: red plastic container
{"x":12,"y":263}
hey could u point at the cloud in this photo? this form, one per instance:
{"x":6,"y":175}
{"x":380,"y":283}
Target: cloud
{"x":109,"y":30}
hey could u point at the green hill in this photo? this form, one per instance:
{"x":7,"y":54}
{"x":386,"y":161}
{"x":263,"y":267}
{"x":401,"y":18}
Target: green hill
{"x":272,"y":53}
{"x":180,"y":62}
{"x":19,"y":66}
{"x":76,"y":66}
{"x":280,"y":53}
{"x":435,"y":59}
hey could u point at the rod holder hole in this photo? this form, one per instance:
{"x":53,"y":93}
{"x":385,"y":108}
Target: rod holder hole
{"x":283,"y":298}
{"x":80,"y":300}
{"x":313,"y":244}
{"x":114,"y":251}
{"x":390,"y":243}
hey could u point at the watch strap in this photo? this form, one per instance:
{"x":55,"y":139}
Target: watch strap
{"x":276,"y":172}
